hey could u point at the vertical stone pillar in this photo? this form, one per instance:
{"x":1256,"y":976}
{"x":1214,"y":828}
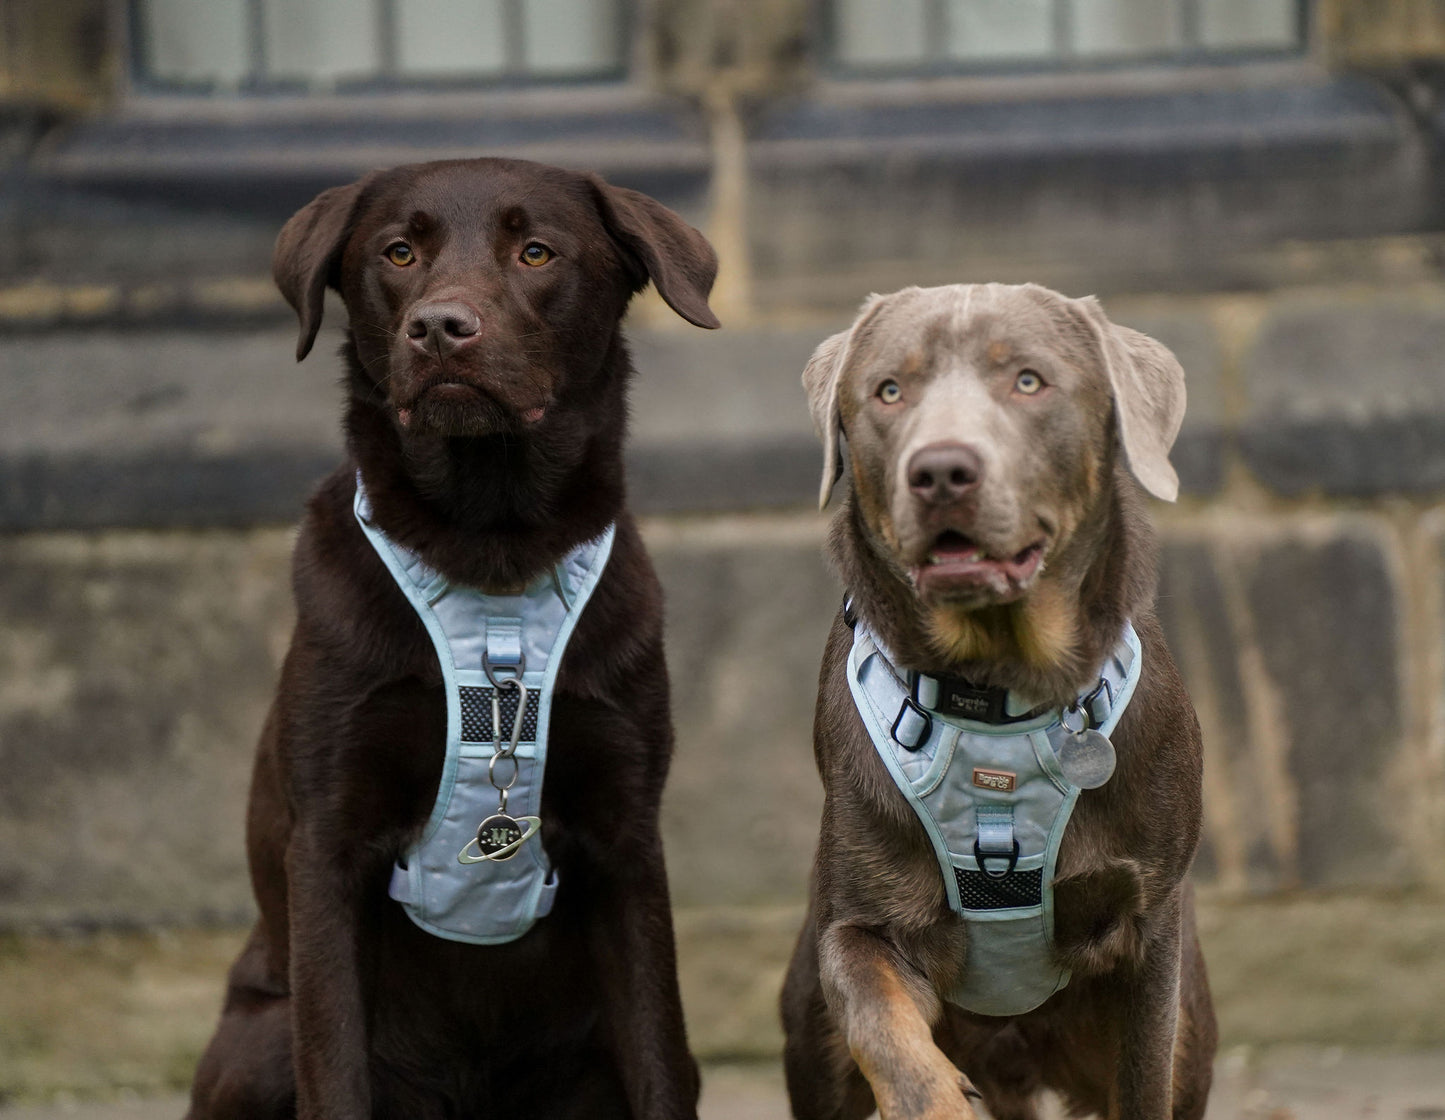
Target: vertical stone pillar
{"x":1381,"y":32}
{"x":58,"y":54}
{"x":727,"y":55}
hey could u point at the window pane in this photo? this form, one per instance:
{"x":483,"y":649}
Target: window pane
{"x":571,"y":36}
{"x":321,"y":40}
{"x":190,"y":42}
{"x":1126,"y":27}
{"x":1000,"y":29}
{"x":457,"y":37}
{"x":1249,"y":23}
{"x":881,"y":31}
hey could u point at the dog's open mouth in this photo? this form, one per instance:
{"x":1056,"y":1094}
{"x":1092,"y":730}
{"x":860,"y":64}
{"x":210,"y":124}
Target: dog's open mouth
{"x":957,"y":565}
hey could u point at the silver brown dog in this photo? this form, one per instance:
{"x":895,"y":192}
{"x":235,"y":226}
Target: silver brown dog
{"x":1000,"y":902}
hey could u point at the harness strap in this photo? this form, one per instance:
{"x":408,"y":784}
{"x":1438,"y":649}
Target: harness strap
{"x":504,"y":643}
{"x":995,"y":840}
{"x":399,"y":889}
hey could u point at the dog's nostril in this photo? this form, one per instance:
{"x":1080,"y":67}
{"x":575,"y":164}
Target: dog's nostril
{"x":444,"y":322}
{"x":944,"y":472}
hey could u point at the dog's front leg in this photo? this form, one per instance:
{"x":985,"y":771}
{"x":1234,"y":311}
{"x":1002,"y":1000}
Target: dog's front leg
{"x":328,"y":1021}
{"x":886,"y":1009}
{"x":637,"y":964}
{"x":1148,"y":1012}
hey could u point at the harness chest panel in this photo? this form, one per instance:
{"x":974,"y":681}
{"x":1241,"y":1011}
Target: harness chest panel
{"x":994,"y":799}
{"x":487,"y":902}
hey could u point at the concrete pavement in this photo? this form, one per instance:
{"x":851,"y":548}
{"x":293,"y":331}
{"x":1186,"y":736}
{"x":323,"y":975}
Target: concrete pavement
{"x":1293,"y":1084}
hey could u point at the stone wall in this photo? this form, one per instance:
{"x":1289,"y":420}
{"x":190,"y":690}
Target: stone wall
{"x":1277,"y":225}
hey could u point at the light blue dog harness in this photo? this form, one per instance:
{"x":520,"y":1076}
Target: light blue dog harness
{"x":477,"y":875}
{"x":994,"y":781}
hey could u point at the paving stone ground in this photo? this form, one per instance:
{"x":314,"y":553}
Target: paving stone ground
{"x":1294,"y":1084}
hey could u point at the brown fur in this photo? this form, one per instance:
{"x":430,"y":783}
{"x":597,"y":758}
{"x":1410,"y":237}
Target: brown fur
{"x":1133,"y":1033}
{"x":340,"y":1006}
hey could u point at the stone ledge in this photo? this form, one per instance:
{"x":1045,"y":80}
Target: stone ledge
{"x":1156,"y":191}
{"x":1326,"y":392}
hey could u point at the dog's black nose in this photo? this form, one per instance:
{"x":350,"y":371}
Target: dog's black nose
{"x":442,"y":327}
{"x":944,"y":472}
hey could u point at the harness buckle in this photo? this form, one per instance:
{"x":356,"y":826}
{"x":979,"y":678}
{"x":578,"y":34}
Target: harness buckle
{"x":921,"y":723}
{"x":981,"y":857}
{"x":1090,"y":708}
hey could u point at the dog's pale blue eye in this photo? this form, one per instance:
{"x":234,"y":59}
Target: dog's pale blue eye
{"x":890,"y":393}
{"x":1029,"y":382}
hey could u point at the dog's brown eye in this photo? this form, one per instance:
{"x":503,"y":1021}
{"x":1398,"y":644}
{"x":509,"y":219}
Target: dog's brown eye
{"x":535,"y":254}
{"x":400,"y":254}
{"x":890,"y":392}
{"x":1028,"y":382}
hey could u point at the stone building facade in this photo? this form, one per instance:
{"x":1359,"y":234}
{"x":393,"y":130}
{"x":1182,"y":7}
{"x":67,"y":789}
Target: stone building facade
{"x":1264,"y":197}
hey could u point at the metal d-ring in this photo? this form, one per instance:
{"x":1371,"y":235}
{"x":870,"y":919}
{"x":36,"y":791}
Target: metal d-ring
{"x":518,"y":669}
{"x":1084,"y":706}
{"x":981,"y":857}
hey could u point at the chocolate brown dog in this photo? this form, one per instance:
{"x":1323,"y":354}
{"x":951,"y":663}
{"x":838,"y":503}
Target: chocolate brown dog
{"x":994,"y":537}
{"x":486,"y":380}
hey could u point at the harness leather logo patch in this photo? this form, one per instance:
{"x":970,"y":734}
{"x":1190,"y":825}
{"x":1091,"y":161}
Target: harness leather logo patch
{"x":1001,"y":780}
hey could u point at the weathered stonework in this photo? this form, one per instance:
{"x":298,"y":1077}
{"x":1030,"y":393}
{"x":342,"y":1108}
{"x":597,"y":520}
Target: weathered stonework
{"x":1345,"y":394}
{"x":135,"y":670}
{"x":749,"y":606}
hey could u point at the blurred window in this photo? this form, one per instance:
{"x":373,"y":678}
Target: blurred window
{"x":915,"y":35}
{"x":324,"y":45}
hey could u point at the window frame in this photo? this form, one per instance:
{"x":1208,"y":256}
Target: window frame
{"x":139,"y":83}
{"x":831,"y":66}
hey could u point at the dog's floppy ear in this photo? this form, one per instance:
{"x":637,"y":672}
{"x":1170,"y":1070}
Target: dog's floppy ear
{"x":1148,"y":384}
{"x":820,"y":381}
{"x":307,"y":252}
{"x":822,"y":377}
{"x":678,"y":260}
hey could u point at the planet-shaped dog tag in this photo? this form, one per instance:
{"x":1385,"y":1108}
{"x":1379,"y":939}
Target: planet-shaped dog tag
{"x":1086,"y":758}
{"x":497,"y":832}
{"x":499,"y":838}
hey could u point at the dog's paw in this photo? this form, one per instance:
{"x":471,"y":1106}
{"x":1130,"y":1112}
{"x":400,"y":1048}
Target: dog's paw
{"x":945,"y":1094}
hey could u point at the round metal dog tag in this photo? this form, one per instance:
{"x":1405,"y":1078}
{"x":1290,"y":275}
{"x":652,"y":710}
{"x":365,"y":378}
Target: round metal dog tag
{"x":1086,"y":758}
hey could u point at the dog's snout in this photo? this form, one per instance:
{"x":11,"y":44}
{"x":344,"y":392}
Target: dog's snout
{"x":942,"y":473}
{"x":443,"y":327}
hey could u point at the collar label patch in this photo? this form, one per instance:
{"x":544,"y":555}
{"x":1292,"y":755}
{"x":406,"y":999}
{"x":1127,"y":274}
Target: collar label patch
{"x":970,"y":703}
{"x":1001,"y":780}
